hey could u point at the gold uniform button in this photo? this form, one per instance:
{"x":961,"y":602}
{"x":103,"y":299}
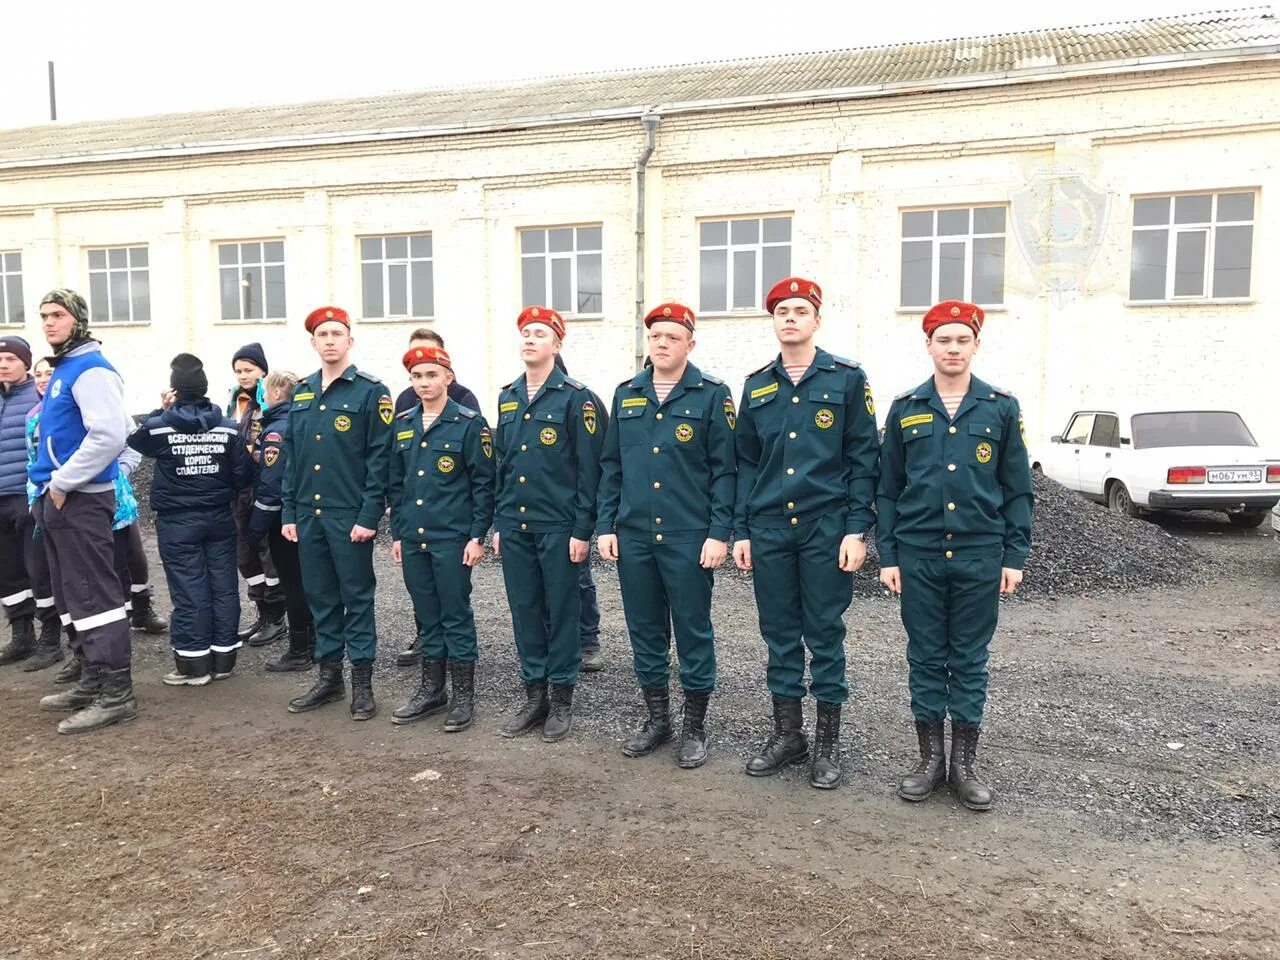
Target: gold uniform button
{"x":951,"y":429}
{"x":526,"y":416}
{"x":950,"y":535}
{"x":657,"y":485}
{"x":658,"y":417}
{"x":948,"y":554}
{"x":420,"y":473}
{"x":794,"y":521}
{"x":951,"y":467}
{"x":423,"y":445}
{"x":317,"y":436}
{"x":423,"y":546}
{"x":824,"y":396}
{"x":523,"y":509}
{"x":795,"y":399}
{"x":951,"y":506}
{"x":524,"y":526}
{"x":317,"y":511}
{"x":322,"y":406}
{"x":421,"y":530}
{"x":317,"y":496}
{"x":316,"y":467}
{"x":790,"y":471}
{"x":658,"y":538}
{"x":524,"y":447}
{"x":988,"y":429}
{"x":419,"y":503}
{"x":658,"y":521}
{"x":656,"y":449}
{"x":792,"y":434}
{"x":522,"y":479}
{"x":791,"y":504}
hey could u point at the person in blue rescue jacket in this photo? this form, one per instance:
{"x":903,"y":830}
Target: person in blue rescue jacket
{"x":201,"y":465}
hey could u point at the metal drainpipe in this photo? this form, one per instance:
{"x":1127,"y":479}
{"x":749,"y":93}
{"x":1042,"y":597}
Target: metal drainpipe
{"x":650,"y":121}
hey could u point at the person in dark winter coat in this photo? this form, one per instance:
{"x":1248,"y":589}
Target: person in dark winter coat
{"x":200,"y":466}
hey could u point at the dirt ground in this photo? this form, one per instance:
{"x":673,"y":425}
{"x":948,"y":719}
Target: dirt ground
{"x":1131,"y":740}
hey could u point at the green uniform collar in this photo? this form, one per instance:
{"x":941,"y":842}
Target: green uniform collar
{"x":643,"y":381}
{"x":519,"y":386}
{"x":821,"y":361}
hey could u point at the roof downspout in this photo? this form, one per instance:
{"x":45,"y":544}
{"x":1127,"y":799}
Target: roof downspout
{"x":650,"y":121}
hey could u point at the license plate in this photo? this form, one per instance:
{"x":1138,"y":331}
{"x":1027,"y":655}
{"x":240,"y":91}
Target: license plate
{"x":1246,"y":475}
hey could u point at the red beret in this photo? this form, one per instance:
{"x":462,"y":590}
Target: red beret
{"x":953,"y":311}
{"x":324,"y":315}
{"x":675,"y":312}
{"x":416,"y":355}
{"x":789,"y":287}
{"x":541,"y":315}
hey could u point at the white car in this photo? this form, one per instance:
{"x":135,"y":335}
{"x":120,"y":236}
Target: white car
{"x":1164,"y":460}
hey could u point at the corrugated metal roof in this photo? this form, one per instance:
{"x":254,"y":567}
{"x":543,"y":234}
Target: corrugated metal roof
{"x":627,"y":93}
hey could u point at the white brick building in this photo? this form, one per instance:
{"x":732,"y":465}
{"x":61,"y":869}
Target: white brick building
{"x":1101,"y":190}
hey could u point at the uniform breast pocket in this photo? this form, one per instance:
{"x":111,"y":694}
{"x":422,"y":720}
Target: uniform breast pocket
{"x":631,"y":423}
{"x":550,"y":428}
{"x":826,"y":408}
{"x":915,"y":451}
{"x":686,"y":427}
{"x":445,"y":455}
{"x":984,"y":439}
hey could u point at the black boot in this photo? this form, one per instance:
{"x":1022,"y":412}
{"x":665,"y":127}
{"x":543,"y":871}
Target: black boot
{"x":143,"y":615}
{"x":931,"y":771}
{"x":329,"y":688}
{"x":224,"y":662}
{"x":70,"y":671}
{"x":430,"y":697}
{"x":81,"y":695}
{"x":693,"y":733}
{"x":464,"y":696}
{"x":787,"y":744}
{"x":115,"y":703}
{"x":272,"y":625}
{"x":531,"y":714}
{"x":48,"y":647}
{"x":362,"y":705}
{"x":23,"y":643}
{"x":560,"y":715}
{"x":297,"y":658}
{"x":657,"y":729}
{"x":825,"y":773}
{"x":246,"y":632}
{"x":410,"y":655}
{"x":969,"y":788}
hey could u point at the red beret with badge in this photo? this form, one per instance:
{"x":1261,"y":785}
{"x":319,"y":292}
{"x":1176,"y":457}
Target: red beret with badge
{"x":543,"y":315}
{"x":953,"y":311}
{"x":674,"y":312}
{"x":416,"y":355}
{"x":325,"y":315}
{"x":789,"y":287}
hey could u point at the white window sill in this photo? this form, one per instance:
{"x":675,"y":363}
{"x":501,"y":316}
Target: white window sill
{"x":250,"y":323}
{"x":1196,"y":302}
{"x":921,"y":311}
{"x":393,"y":320}
{"x":574,"y":317}
{"x":744,"y":313}
{"x":117,"y":324}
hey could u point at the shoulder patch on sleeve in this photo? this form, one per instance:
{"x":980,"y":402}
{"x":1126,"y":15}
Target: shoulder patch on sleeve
{"x":368,"y":376}
{"x":272,"y":436}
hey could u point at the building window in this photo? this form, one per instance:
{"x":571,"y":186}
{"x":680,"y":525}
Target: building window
{"x":251,"y":280}
{"x":1192,"y":247}
{"x":396,"y":276}
{"x":561,"y":268}
{"x":954,"y":253}
{"x":11,"y":288}
{"x":739,"y":260}
{"x":119,"y":285}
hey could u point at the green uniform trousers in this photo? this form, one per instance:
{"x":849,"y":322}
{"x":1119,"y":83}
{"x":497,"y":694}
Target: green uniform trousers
{"x":337,"y":576}
{"x":949,"y":608}
{"x":440,"y":587}
{"x":801,"y":597}
{"x":661,"y":578}
{"x":542,"y":590}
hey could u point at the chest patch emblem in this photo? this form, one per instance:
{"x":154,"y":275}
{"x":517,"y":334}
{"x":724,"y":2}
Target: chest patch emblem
{"x":684,"y":433}
{"x":445,"y":464}
{"x":824,"y":418}
{"x":983,"y":453}
{"x":342,"y":423}
{"x":548,"y":436}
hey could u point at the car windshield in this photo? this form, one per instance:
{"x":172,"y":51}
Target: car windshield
{"x":1191,"y":428}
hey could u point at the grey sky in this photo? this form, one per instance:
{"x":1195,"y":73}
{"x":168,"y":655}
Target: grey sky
{"x":143,"y":56}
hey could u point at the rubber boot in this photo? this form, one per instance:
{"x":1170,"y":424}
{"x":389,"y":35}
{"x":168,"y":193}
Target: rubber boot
{"x":430,"y":697}
{"x":246,"y":632}
{"x":328,"y":688}
{"x":363,"y":706}
{"x":560,"y":715}
{"x":189,"y":671}
{"x":656,"y":729}
{"x":143,"y":615}
{"x":81,"y":695}
{"x":931,"y":772}
{"x":693,"y":732}
{"x":71,"y":670}
{"x":48,"y":647}
{"x":969,"y":788}
{"x":115,"y":704}
{"x":297,"y":658}
{"x":224,"y":662}
{"x":23,"y":643}
{"x":462,"y":712}
{"x":530,"y":715}
{"x":825,"y":774}
{"x":786,"y":745}
{"x":273,"y":625}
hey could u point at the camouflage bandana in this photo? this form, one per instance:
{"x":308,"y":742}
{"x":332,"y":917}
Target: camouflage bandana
{"x":74,"y":304}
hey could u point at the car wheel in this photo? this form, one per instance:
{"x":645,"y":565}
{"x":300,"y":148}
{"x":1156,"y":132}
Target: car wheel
{"x":1120,"y":502}
{"x":1247,"y":518}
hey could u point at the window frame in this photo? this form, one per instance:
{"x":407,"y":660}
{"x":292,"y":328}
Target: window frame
{"x":935,"y":240}
{"x":1092,"y":415}
{"x":1093,"y":431}
{"x":1175,"y":229}
{"x":128,"y":270}
{"x":5,"y":306}
{"x":239,"y":265}
{"x":548,"y":257}
{"x":408,"y":261}
{"x":730,"y":247}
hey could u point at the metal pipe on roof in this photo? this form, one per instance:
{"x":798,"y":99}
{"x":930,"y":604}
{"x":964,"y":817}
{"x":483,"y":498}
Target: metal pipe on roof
{"x":650,"y":119}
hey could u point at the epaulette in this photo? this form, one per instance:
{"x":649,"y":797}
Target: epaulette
{"x":715,"y":381}
{"x":627,"y":382}
{"x":1001,"y":392}
{"x":851,"y":364}
{"x":406,"y":415}
{"x":576,"y":384}
{"x":508,"y":386}
{"x":368,"y":376}
{"x":904,"y":394}
{"x":761,"y":370}
{"x":466,"y":412}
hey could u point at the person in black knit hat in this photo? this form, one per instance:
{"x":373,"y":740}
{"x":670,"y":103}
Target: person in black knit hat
{"x":200,"y":466}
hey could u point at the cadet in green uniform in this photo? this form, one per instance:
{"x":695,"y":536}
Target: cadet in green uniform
{"x":806,"y":486}
{"x":441,"y":508}
{"x":954,"y":528}
{"x":666,"y":512}
{"x":337,"y":456}
{"x":547,"y":443}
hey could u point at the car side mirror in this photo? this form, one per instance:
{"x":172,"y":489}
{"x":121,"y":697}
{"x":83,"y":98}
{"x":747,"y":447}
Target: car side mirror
{"x":1056,"y":438}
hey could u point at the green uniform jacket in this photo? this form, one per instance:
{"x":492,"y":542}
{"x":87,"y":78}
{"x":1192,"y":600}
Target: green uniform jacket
{"x":667,"y":471}
{"x":441,"y":481}
{"x":338,"y":449}
{"x":947,"y":484}
{"x":807,"y":450}
{"x":548,"y":454}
